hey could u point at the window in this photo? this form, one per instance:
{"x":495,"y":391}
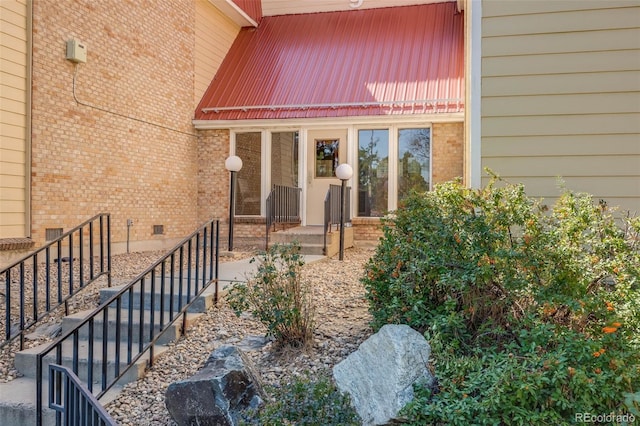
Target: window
{"x":373,"y":172}
{"x":284,"y":159}
{"x":392,"y":162}
{"x":414,"y":161}
{"x":249,"y":149}
{"x":326,"y":157}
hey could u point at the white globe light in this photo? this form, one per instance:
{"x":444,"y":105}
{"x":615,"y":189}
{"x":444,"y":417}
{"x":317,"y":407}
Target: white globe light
{"x":344,"y":171}
{"x":233,"y":163}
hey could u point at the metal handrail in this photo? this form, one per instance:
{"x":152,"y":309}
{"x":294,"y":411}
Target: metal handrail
{"x":79,"y":406}
{"x":283,"y":206}
{"x":332,"y":210}
{"x":186,"y":272}
{"x":67,"y":282}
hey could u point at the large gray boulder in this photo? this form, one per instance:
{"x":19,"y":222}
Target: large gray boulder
{"x":380,"y":375}
{"x":217,"y":394}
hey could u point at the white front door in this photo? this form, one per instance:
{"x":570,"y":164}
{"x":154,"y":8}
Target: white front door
{"x":326,"y":149}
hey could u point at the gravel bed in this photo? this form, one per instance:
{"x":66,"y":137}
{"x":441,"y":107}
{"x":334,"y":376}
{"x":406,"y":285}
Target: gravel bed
{"x":341,"y":325}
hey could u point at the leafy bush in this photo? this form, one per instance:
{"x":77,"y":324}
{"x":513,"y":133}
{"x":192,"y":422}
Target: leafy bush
{"x":533,"y":314}
{"x":308,"y":402}
{"x":277,"y":296}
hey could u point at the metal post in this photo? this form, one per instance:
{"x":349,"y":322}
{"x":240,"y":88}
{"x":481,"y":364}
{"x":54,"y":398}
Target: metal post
{"x":232,"y":208}
{"x":342,"y":203}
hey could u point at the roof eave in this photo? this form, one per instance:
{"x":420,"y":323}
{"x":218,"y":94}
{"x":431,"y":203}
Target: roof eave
{"x":236,"y":14}
{"x":350,"y":120}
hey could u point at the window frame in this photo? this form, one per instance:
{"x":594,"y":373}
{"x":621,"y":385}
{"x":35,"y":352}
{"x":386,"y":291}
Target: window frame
{"x":265,"y":160}
{"x":392,"y":186}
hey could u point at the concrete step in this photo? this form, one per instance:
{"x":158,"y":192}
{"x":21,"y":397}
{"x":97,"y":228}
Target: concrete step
{"x":25,"y":361}
{"x":201,"y":304}
{"x":311,"y":239}
{"x":18,"y":402}
{"x":173,"y":332}
{"x":290,"y":236}
{"x":312,"y":249}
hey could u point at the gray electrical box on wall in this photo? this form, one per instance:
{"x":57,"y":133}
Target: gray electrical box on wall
{"x":76,"y":51}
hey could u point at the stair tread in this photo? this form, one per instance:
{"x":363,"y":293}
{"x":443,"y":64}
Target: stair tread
{"x":83,"y":349}
{"x":22,"y":391}
{"x":157,"y":288}
{"x":81,"y":315}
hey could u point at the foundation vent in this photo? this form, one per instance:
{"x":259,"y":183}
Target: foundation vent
{"x":51,"y":234}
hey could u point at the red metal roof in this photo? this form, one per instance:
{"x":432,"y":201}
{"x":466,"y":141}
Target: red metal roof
{"x":388,"y":61}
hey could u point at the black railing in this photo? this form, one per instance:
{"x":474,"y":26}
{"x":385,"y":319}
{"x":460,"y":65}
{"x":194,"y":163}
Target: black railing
{"x":283,"y":206}
{"x":332,"y":209}
{"x":166,"y":290}
{"x":76,"y":405}
{"x":42,"y":281}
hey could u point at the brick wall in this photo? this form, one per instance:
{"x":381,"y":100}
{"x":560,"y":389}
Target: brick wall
{"x":128,"y":147}
{"x":367,"y":230}
{"x":213,"y":178}
{"x":448,"y":151}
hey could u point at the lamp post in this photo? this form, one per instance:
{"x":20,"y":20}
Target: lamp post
{"x":233,"y":163}
{"x":344,"y":173}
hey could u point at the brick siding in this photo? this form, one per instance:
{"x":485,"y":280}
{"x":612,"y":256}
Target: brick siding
{"x":447,"y":151}
{"x":134,"y":153}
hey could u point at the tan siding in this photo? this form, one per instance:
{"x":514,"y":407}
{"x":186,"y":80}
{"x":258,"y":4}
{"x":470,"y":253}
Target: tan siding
{"x":15,"y":157}
{"x":618,"y":60}
{"x":523,"y":7}
{"x":606,"y":188}
{"x":561,"y":125}
{"x":561,"y":96}
{"x":214,"y":35}
{"x":13,"y":12}
{"x":13,"y":114}
{"x":562,"y":145}
{"x":13,"y":130}
{"x":8,"y":193}
{"x":590,"y":41}
{"x":11,"y":106}
{"x":13,"y":121}
{"x":557,"y":84}
{"x":571,"y":165}
{"x":570,"y":21}
{"x":562,"y":104}
{"x":10,"y":183}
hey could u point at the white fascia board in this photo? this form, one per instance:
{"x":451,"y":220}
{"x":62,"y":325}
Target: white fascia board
{"x":379,"y":120}
{"x":474,"y":90}
{"x":237,"y":15}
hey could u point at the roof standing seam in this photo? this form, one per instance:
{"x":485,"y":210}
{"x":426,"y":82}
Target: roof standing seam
{"x":399,"y":60}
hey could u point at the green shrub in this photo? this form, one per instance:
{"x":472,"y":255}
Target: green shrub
{"x":305,"y":401}
{"x":533,"y":314}
{"x":277,"y":296}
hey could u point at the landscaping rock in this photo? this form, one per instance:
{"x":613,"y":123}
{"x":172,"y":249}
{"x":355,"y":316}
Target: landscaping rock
{"x":218,"y":394}
{"x":380,"y":375}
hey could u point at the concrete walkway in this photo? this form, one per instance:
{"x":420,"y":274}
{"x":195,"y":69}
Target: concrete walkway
{"x":241,"y":270}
